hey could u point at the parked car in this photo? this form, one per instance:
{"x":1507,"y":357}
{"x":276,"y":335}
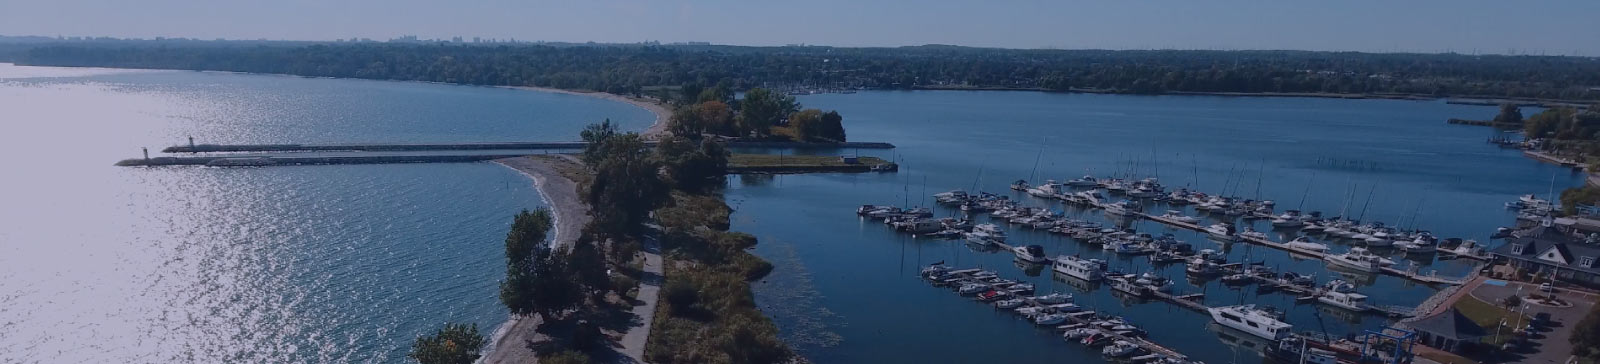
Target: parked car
{"x":1547,"y":288}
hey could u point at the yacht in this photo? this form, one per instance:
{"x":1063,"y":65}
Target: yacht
{"x":1424,"y":243}
{"x":1120,"y":349}
{"x":982,"y":238}
{"x":1289,"y":219}
{"x":1469,"y":247}
{"x":1222,"y":231}
{"x":1050,"y":319}
{"x":1008,"y":304}
{"x":992,"y":230}
{"x":1306,"y":244}
{"x":1133,"y":248}
{"x":1080,"y":268}
{"x":1123,"y":208}
{"x":1199,"y":266}
{"x":1085,"y":181}
{"x":1019,"y":185}
{"x":1078,"y":333}
{"x":952,"y":197}
{"x":1249,"y":233}
{"x":1178,"y":216}
{"x":1050,"y":189}
{"x":1053,"y":298}
{"x":1155,"y":282}
{"x":1260,"y":322}
{"x":1030,"y":253}
{"x":1127,"y":285}
{"x":1341,"y":294}
{"x":1358,"y":259}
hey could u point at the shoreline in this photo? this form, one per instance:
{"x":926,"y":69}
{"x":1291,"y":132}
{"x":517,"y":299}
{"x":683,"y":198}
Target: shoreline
{"x":569,"y":214}
{"x":652,"y":132}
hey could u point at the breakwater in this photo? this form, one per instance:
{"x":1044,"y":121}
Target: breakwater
{"x":403,"y":147}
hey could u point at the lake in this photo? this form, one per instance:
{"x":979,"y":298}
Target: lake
{"x":845,"y":289}
{"x":285,"y":264}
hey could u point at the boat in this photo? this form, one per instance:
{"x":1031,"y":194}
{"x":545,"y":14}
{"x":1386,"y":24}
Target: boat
{"x":1019,"y":185}
{"x":1357,"y":258}
{"x":1154,"y":282}
{"x":1305,"y":243}
{"x":1222,"y":231}
{"x":973,"y":288}
{"x":981,"y":238}
{"x":1050,"y":189}
{"x":1053,"y":298}
{"x":1078,"y":333}
{"x":1175,"y":215}
{"x":1423,"y":244}
{"x":991,"y":230}
{"x":868,"y":209}
{"x":1249,"y":233}
{"x":1029,"y":253}
{"x":1119,"y":349}
{"x":1008,"y":304}
{"x":1164,"y":257}
{"x":1127,"y":285}
{"x":1199,"y":266}
{"x":992,"y":295}
{"x":1081,"y":268}
{"x":1050,"y":319}
{"x":952,"y":197}
{"x":1237,"y":279}
{"x":1341,"y":294}
{"x":1085,"y":181}
{"x":1123,"y":208}
{"x":919,"y":226}
{"x":1261,"y":322}
{"x":1468,"y":248}
{"x":1128,"y":247}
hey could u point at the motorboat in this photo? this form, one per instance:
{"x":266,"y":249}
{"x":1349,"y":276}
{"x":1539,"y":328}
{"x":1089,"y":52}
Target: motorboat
{"x":1128,"y":247}
{"x":1085,"y":181}
{"x":1249,"y":233}
{"x":1123,"y":208}
{"x":1050,"y":319}
{"x":1164,"y":257}
{"x":1081,"y":268}
{"x":1030,"y":253}
{"x":993,"y":231}
{"x":1050,"y":189}
{"x":1020,"y":185}
{"x":1341,"y":294}
{"x":1469,"y":248}
{"x":952,"y":197}
{"x":1178,"y":216}
{"x":981,"y":238}
{"x":1120,"y":348}
{"x":1357,"y":258}
{"x":1202,"y":267}
{"x":1237,"y":279}
{"x":1305,"y":243}
{"x":1154,"y":282}
{"x":1053,"y":298}
{"x":1008,"y":304}
{"x":993,"y":295}
{"x":919,"y":226}
{"x":1261,"y":322}
{"x":1222,"y":231}
{"x":1423,"y":244}
{"x":1078,"y":333}
{"x":1127,"y":285}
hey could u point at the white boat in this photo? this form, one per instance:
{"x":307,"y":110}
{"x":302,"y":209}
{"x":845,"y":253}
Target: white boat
{"x":1078,"y":333}
{"x":1053,"y":298}
{"x":1128,"y":247}
{"x":1127,"y":285}
{"x":1287,"y":222}
{"x":1081,"y":268}
{"x":1306,"y":244}
{"x":1154,"y":282}
{"x":1119,"y":349}
{"x":1255,"y":321}
{"x":1123,"y":208}
{"x":993,"y":231}
{"x":1030,"y":253}
{"x":1469,"y":247}
{"x":1357,"y":258}
{"x":1249,"y":233}
{"x":1050,"y":189}
{"x":1020,"y":185}
{"x":951,"y":197}
{"x":1423,"y":244}
{"x":1008,"y":304}
{"x":1085,"y":181}
{"x":1175,"y":215}
{"x":1339,"y":293}
{"x":1222,"y":231}
{"x":981,"y":238}
{"x":1050,"y":319}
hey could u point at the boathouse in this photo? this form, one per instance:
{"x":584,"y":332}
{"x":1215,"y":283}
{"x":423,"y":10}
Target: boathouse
{"x":1449,"y":331}
{"x":1547,"y":250}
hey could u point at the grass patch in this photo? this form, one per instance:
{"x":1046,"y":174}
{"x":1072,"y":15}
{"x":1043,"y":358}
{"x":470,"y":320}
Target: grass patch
{"x":1489,"y":317}
{"x":773,"y":160}
{"x":1439,"y":356}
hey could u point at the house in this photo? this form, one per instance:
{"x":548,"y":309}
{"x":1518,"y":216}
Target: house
{"x":1545,"y":249}
{"x":1449,"y":331}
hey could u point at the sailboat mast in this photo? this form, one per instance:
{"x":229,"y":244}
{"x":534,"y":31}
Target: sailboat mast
{"x":1308,"y":191}
{"x":1368,"y":203}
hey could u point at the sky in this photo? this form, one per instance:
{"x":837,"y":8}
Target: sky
{"x":1551,"y":27}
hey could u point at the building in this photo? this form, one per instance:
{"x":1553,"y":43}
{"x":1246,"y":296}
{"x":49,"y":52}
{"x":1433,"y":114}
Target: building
{"x":1449,"y":331}
{"x":1547,"y":250}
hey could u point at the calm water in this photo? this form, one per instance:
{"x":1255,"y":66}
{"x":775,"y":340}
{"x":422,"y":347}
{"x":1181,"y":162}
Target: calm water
{"x":845,"y":289}
{"x":283,"y":264}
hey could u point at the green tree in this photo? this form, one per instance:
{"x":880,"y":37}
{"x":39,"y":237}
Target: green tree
{"x":1543,"y":124}
{"x":832,"y":127}
{"x":594,"y":135}
{"x":625,"y":188}
{"x":761,"y":109}
{"x":567,"y":357}
{"x":806,"y":124}
{"x":528,"y":231}
{"x":1509,"y":114}
{"x":454,"y":344}
{"x":1585,"y":337}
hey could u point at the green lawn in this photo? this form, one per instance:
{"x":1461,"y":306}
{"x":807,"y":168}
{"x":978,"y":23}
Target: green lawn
{"x":1489,"y":316}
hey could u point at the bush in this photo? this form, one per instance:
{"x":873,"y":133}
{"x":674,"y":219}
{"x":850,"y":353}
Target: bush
{"x":1511,"y":301}
{"x":566,"y":357}
{"x":454,"y":344}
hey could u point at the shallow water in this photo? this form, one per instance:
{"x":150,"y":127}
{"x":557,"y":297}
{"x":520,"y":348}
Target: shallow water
{"x":284,"y":264}
{"x":845,"y":289}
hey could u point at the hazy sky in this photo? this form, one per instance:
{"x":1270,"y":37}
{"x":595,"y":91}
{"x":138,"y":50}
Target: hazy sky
{"x":1485,"y":26}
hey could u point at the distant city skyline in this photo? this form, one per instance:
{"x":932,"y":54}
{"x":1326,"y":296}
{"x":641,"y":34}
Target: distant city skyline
{"x":1556,"y":27}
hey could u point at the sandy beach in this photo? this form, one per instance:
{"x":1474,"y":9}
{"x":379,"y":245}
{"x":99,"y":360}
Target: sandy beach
{"x":656,"y":129}
{"x":561,"y":194}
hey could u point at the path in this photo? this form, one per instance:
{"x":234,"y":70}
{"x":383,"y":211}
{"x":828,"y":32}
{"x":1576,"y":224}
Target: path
{"x":570,"y":214}
{"x":634,"y":341}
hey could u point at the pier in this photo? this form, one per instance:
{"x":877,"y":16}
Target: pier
{"x":408,"y":147}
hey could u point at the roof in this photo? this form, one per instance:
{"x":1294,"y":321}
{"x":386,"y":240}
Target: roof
{"x":1450,"y":325}
{"x":1541,"y":239}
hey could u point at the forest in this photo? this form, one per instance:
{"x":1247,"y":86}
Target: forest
{"x":638,"y":68}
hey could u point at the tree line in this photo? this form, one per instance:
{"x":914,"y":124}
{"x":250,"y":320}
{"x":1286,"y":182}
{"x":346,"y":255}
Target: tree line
{"x":632,"y":68}
{"x":761,"y":114}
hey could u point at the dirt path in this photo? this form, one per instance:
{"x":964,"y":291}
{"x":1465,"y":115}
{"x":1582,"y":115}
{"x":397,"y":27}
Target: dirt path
{"x":561,"y":194}
{"x":633,"y":342}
